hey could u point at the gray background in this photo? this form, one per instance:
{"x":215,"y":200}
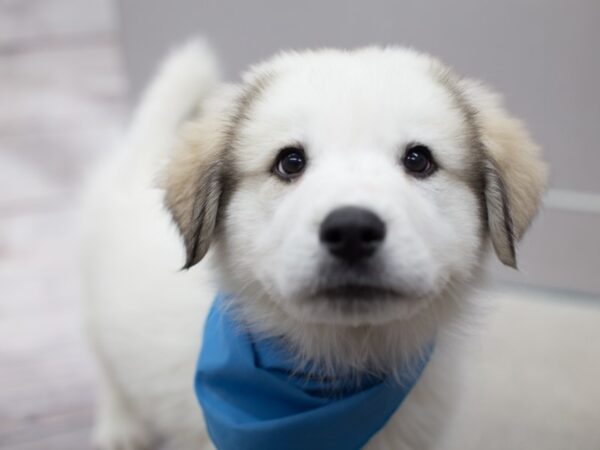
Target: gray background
{"x":543,"y":55}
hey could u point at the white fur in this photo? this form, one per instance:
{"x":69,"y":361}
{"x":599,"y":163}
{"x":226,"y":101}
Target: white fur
{"x":354,"y":112}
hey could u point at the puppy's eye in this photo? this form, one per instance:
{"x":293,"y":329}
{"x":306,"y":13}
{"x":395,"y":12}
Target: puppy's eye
{"x":290,"y":163}
{"x":418,"y":160}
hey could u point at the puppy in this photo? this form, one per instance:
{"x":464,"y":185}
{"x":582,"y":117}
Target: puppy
{"x":348,"y":199}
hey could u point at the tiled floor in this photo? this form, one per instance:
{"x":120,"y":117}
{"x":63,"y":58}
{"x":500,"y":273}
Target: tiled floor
{"x":62,"y":104}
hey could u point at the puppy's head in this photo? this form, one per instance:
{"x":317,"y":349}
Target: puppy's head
{"x":353,"y":188}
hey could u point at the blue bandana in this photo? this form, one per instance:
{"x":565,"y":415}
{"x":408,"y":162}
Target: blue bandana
{"x":252,"y":399}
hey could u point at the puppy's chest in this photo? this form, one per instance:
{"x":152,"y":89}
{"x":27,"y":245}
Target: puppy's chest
{"x":254,"y":396}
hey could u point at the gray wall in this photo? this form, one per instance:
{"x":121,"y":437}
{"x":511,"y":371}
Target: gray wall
{"x":542,"y":54}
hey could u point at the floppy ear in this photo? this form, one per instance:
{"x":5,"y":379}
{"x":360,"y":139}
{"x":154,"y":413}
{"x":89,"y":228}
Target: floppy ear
{"x":515,"y":175}
{"x":193,"y":183}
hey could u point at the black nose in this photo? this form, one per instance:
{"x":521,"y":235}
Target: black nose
{"x":352,"y":234}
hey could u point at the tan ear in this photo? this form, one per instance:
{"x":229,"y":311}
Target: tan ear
{"x":193,"y":183}
{"x":515,"y":174}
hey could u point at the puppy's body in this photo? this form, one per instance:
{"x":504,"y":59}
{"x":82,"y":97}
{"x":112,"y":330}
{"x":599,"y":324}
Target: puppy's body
{"x":145,"y":316}
{"x":145,"y":327}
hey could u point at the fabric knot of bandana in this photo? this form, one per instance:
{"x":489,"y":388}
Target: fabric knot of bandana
{"x":254,"y":399}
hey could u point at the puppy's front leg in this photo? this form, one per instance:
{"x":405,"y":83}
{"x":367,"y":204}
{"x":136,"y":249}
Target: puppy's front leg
{"x":117,"y":427}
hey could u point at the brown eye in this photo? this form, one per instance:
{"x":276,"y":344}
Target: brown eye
{"x":290,"y":163}
{"x":418,"y":160}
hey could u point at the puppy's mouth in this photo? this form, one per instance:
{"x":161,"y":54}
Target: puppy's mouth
{"x":353,"y":302}
{"x":360,"y":295}
{"x":363,"y":286}
{"x":353,"y":292}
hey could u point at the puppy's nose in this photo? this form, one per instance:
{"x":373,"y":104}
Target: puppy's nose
{"x":352,"y":234}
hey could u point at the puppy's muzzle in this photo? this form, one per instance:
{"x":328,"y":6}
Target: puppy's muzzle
{"x":352,"y":234}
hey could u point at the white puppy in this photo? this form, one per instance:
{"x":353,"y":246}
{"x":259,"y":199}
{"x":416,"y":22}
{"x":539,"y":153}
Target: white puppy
{"x":349,"y":199}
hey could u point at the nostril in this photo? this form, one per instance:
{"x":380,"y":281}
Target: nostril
{"x":332,"y":236}
{"x":372,"y":235}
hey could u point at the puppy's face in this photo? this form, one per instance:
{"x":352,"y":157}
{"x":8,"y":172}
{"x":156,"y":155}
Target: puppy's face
{"x":357,"y":196}
{"x":357,"y":188}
